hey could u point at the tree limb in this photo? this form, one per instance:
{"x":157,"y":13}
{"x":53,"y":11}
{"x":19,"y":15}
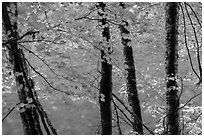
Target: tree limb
{"x":197,"y":43}
{"x":194,"y":13}
{"x":117,"y":117}
{"x":46,"y":79}
{"x":9,"y":112}
{"x":194,"y":30}
{"x":21,"y":37}
{"x":131,"y":113}
{"x":186,"y":44}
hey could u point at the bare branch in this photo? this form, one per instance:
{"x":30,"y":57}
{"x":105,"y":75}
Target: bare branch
{"x":21,"y":37}
{"x":43,"y":62}
{"x":130,"y":122}
{"x":9,"y":112}
{"x":182,"y":107}
{"x":194,"y":13}
{"x":197,"y":43}
{"x":46,"y":79}
{"x":187,"y":123}
{"x":190,"y":100}
{"x":86,"y":14}
{"x":117,"y":117}
{"x":186,"y":44}
{"x":132,"y":113}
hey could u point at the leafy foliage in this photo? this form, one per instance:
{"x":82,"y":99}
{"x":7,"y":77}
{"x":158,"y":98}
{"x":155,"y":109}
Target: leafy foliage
{"x":64,"y":60}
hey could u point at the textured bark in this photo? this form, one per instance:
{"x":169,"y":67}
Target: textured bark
{"x":105,"y":92}
{"x":172,"y":98}
{"x":30,"y":107}
{"x":16,"y":59}
{"x":131,"y":76}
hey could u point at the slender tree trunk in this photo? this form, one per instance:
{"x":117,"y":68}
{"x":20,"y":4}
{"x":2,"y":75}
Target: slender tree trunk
{"x":105,"y":92}
{"x":30,"y":107}
{"x":131,"y":76}
{"x":16,"y":56}
{"x":172,"y":98}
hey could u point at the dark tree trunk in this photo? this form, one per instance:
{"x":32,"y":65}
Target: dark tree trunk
{"x":105,"y":92}
{"x":172,"y":98}
{"x":30,"y":107}
{"x":16,"y":59}
{"x":131,"y":76}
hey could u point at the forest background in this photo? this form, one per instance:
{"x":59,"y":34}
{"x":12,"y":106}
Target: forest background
{"x":64,"y":55}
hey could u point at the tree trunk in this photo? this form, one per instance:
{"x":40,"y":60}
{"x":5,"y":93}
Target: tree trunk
{"x":105,"y":92}
{"x":30,"y":107}
{"x":131,"y":76}
{"x":172,"y":98}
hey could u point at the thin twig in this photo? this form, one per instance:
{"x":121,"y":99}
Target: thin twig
{"x":130,"y":122}
{"x":38,"y":58}
{"x":9,"y":112}
{"x":186,"y":44}
{"x":46,"y":79}
{"x":182,"y":106}
{"x":117,"y":117}
{"x":132,"y":113}
{"x":197,"y":43}
{"x":190,"y":100}
{"x":194,"y":13}
{"x":191,"y":121}
{"x":86,"y":14}
{"x":21,"y":37}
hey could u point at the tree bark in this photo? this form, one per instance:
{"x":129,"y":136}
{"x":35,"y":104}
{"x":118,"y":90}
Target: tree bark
{"x":130,"y":76}
{"x":105,"y":92}
{"x":30,"y":107}
{"x":172,"y":97}
{"x":16,"y":56}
